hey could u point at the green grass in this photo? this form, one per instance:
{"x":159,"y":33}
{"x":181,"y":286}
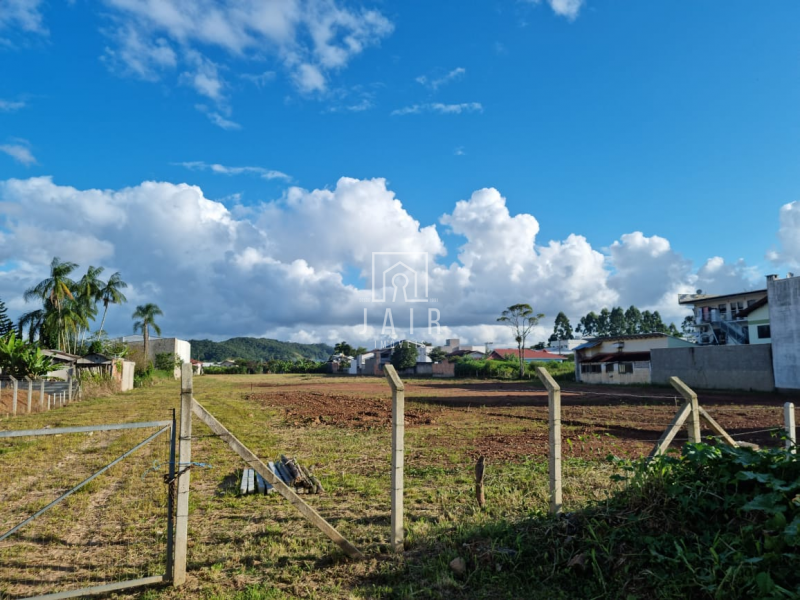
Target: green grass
{"x":261,"y":547}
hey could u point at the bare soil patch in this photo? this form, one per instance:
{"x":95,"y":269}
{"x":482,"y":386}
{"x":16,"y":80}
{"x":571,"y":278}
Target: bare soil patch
{"x":508,"y":421}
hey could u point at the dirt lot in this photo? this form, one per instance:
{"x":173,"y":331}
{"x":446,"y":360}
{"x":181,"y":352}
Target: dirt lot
{"x":597,"y":420}
{"x":254,"y":547}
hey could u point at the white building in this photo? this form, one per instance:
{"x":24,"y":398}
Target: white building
{"x":621,"y":359}
{"x":718,"y":319}
{"x":564,"y":346}
{"x":181,"y":348}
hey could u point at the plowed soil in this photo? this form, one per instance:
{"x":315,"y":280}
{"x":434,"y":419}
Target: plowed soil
{"x":508,"y":421}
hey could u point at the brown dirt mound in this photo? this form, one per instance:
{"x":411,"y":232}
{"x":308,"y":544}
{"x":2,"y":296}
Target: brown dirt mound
{"x":316,"y":408}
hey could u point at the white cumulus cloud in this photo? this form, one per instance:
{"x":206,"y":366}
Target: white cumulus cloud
{"x":788,"y":236}
{"x":300,"y":267}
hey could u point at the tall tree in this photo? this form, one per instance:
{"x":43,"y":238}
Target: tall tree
{"x":588,"y":325}
{"x":604,"y":323}
{"x":562,"y":329}
{"x":404,"y":356}
{"x":6,"y":325}
{"x":687,"y":326}
{"x":56,"y":289}
{"x":437,"y":355}
{"x":88,"y":295}
{"x":633,"y":320}
{"x":616,"y":322}
{"x":146,"y":313}
{"x":111,"y":293}
{"x":343,"y":348}
{"x":521,"y":319}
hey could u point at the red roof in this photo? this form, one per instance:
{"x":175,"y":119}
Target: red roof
{"x":502,"y":353}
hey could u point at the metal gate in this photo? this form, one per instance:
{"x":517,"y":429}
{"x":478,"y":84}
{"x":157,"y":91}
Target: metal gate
{"x":85,"y":540}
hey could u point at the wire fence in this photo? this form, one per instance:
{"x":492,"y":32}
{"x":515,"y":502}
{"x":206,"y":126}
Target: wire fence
{"x":112,"y":529}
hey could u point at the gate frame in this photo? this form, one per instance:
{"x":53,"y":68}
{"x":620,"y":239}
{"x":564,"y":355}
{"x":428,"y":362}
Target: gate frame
{"x":119,"y":585}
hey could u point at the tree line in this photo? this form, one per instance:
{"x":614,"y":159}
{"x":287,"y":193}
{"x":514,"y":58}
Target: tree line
{"x":614,"y":322}
{"x":70,"y":305}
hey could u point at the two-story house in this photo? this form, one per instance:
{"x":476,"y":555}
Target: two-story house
{"x":721,"y":320}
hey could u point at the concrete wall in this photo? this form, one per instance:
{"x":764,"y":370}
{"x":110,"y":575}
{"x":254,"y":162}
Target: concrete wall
{"x":161,"y":345}
{"x":126,"y":383}
{"x":784,"y":316}
{"x":716,"y":367}
{"x":444,"y":369}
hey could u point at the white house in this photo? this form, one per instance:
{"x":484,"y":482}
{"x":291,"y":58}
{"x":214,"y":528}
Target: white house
{"x":621,"y":359}
{"x":718,"y":319}
{"x":566,"y":347}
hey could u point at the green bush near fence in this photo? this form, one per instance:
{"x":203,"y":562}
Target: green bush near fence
{"x":509,"y":369}
{"x":714,"y":522}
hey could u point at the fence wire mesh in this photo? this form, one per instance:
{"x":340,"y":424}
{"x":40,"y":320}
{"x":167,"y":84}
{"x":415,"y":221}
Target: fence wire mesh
{"x":113,"y":529}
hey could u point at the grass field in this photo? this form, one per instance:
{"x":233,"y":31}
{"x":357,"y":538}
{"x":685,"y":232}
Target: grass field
{"x":259,"y":547}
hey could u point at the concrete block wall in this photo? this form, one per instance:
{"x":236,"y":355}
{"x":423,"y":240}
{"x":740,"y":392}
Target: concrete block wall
{"x":784,"y":317}
{"x":161,"y":345}
{"x":716,"y":367}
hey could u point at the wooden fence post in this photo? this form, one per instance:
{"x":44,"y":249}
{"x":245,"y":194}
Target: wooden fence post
{"x":41,"y":396}
{"x":554,"y":417}
{"x":694,"y":416}
{"x":30,"y":393}
{"x":791,"y":435}
{"x":398,"y":454}
{"x":185,"y":457}
{"x":14,"y":397}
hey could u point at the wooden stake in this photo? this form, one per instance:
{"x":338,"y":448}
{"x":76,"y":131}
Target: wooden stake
{"x":671,"y":431}
{"x":791,"y":433}
{"x":398,"y":455}
{"x":283,"y":489}
{"x":479,"y":469}
{"x":717,"y":428}
{"x":185,"y":458}
{"x":691,"y":399}
{"x":554,"y":417}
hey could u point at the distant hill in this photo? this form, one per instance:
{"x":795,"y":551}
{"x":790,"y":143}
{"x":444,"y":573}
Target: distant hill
{"x":250,"y":348}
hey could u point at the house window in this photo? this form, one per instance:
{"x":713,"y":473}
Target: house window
{"x":735,"y":308}
{"x":763,"y":332}
{"x":626,"y":367}
{"x":723,"y":311}
{"x":751,"y":302}
{"x":591,"y":368}
{"x":609,"y":367}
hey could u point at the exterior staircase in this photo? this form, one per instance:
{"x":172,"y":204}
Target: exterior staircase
{"x":736,"y":332}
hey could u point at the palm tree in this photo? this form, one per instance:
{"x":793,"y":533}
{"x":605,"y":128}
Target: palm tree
{"x":33,"y":321}
{"x":88,"y":290}
{"x":56,"y":289}
{"x":110,"y":294}
{"x":146,"y":313}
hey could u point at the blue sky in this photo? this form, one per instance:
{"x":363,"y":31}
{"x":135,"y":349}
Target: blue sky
{"x":600,"y":119}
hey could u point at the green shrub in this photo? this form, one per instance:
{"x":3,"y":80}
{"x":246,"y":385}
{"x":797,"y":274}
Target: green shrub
{"x":166,"y":361}
{"x":21,"y":359}
{"x":713,"y":522}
